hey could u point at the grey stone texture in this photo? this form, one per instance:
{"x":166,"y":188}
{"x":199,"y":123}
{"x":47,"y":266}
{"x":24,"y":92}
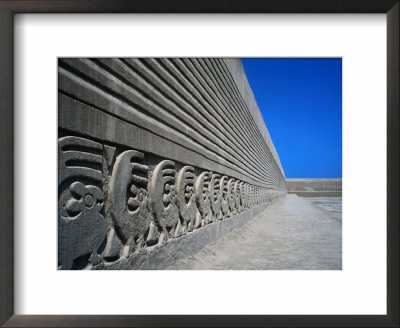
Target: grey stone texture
{"x":156,"y":158}
{"x":315,"y":187}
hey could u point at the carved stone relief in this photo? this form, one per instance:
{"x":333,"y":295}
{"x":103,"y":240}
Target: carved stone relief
{"x":128,"y":198}
{"x":232,"y":197}
{"x":215,"y":196}
{"x":203,"y":199}
{"x":163,"y":200}
{"x":81,"y":226}
{"x":186,"y":198}
{"x":237,"y":189}
{"x":223,"y":194}
{"x":111,"y":206}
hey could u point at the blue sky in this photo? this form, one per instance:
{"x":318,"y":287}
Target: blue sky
{"x":301,"y":102}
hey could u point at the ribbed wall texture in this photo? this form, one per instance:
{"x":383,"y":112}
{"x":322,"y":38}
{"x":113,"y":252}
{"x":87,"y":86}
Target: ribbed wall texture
{"x":153,"y":149}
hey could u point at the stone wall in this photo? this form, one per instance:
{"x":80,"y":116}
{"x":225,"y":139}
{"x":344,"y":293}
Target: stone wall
{"x":315,"y":187}
{"x":157,"y":157}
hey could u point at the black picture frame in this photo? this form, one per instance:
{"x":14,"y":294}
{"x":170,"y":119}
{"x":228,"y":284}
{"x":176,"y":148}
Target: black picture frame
{"x":10,"y":7}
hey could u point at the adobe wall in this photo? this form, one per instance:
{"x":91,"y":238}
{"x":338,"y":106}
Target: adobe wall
{"x":157,"y":157}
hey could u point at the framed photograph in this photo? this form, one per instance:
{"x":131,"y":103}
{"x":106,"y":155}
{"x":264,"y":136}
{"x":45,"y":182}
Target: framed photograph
{"x":130,"y":121}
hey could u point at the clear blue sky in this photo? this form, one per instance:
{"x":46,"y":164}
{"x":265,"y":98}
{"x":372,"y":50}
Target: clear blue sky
{"x":301,"y":102}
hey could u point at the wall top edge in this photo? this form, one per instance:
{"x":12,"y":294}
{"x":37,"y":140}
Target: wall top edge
{"x":235,"y":67}
{"x":312,"y":179}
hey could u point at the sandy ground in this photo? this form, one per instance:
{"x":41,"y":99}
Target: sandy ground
{"x":291,"y":234}
{"x":331,"y":204}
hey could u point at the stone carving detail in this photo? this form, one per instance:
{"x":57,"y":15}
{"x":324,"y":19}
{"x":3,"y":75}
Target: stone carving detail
{"x":186,"y":198}
{"x":77,"y":157}
{"x":251,"y":196}
{"x":163,"y":200}
{"x":203,"y":202}
{"x":237,"y":189}
{"x":223,"y":194}
{"x":232,"y":197}
{"x":81,"y":226}
{"x":215,"y":197}
{"x":245,"y":195}
{"x":128,"y":198}
{"x":119,"y":205}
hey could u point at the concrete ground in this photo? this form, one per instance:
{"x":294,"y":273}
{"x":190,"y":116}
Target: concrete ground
{"x":333,"y":205}
{"x":291,"y":234}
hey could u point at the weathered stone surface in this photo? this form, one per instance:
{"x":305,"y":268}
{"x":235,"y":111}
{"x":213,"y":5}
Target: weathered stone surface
{"x":163,"y":199}
{"x":237,"y":189}
{"x":223,"y":195}
{"x":128,"y":197}
{"x":81,"y":226}
{"x":154,"y":155}
{"x":232,"y":197}
{"x":203,"y":200}
{"x":215,"y":196}
{"x":73,"y":155}
{"x":186,"y":198}
{"x":114,"y":245}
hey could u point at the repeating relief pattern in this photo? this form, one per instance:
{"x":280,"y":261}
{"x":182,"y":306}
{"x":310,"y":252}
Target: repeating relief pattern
{"x":112,"y":206}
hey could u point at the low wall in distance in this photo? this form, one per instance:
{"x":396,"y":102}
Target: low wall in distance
{"x":315,"y":187}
